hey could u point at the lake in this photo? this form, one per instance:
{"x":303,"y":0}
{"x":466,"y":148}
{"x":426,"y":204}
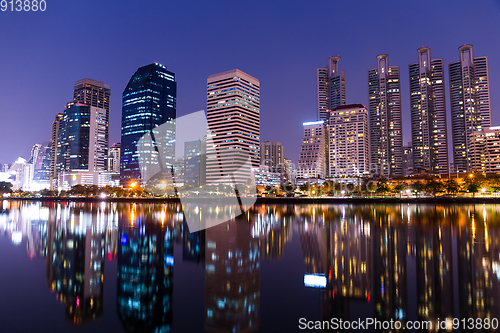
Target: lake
{"x":135,"y":267}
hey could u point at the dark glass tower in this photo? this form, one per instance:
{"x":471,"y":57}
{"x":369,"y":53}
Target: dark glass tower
{"x":149,"y":101}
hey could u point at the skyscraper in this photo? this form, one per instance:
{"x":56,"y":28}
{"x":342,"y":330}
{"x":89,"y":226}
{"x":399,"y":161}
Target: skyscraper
{"x":348,"y":141}
{"x":428,"y":114}
{"x":54,"y":169}
{"x":386,"y":140}
{"x":312,"y":160}
{"x":82,"y":147}
{"x":195,"y":156}
{"x":271,"y":155}
{"x":470,"y":104}
{"x":149,"y":101}
{"x":330,"y":88}
{"x":114,"y":158}
{"x":96,"y":94}
{"x":233,"y":117}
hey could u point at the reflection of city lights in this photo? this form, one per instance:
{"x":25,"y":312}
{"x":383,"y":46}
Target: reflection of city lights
{"x":17,"y":237}
{"x":314,"y":281}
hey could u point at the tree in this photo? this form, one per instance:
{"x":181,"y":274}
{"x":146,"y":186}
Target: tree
{"x":433,"y":185}
{"x":451,"y":186}
{"x":417,"y":187}
{"x":382,"y":186}
{"x":400,"y":187}
{"x":473,"y":182}
{"x":5,"y":187}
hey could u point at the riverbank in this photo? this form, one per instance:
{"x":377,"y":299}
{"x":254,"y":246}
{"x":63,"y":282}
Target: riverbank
{"x":345,"y":200}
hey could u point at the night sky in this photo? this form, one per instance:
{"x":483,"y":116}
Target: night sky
{"x":279,"y":42}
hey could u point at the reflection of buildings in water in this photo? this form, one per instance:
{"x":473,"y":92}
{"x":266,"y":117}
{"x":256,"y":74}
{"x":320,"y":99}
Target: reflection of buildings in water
{"x":432,"y":247}
{"x":145,"y":278}
{"x":193,"y":245}
{"x":349,"y":267}
{"x":313,"y":240}
{"x":389,"y":271}
{"x":75,"y":261}
{"x":273,"y":230}
{"x":478,"y":248}
{"x":232,"y":278}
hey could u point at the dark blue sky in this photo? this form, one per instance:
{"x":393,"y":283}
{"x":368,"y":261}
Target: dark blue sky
{"x":280,"y":42}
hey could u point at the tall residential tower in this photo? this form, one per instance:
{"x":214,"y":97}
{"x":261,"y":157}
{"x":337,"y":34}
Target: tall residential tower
{"x":470,"y":104}
{"x":386,"y":140}
{"x":330,"y":88}
{"x":428,"y":114}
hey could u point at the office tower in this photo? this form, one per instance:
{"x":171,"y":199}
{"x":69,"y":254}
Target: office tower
{"x":428,"y":114}
{"x":148,"y":112}
{"x":408,"y":159}
{"x":272,"y":155}
{"x":348,"y":141}
{"x":5,"y":167}
{"x":330,"y":88}
{"x":96,"y":94}
{"x":486,"y":157}
{"x":82,"y":149}
{"x":386,"y":141}
{"x":289,"y":173}
{"x":195,"y":163}
{"x":54,"y":144}
{"x":312,"y":160}
{"x":42,"y":166}
{"x":233,"y":117}
{"x":470,"y":104}
{"x":114,"y":158}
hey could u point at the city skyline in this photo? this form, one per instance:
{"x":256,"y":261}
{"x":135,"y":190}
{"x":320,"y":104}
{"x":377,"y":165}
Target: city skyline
{"x":280,"y":96}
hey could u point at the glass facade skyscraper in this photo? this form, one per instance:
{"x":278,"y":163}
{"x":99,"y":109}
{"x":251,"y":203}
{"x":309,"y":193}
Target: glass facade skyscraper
{"x":149,"y":101}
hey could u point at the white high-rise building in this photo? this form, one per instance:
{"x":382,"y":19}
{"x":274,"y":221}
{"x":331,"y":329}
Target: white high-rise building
{"x":330,"y":88}
{"x":386,"y":138}
{"x":486,"y":158}
{"x":470,"y":104}
{"x":428,"y":114}
{"x":233,"y":119}
{"x":312,"y":161}
{"x":114,"y":158}
{"x":348,"y":141}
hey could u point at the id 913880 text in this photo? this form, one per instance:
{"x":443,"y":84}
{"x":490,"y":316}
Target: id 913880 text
{"x":23,"y":5}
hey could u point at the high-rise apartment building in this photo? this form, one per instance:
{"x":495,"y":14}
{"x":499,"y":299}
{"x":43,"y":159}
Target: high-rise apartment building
{"x":54,"y":144}
{"x":272,"y":155}
{"x":348,"y":141}
{"x":408,"y":159}
{"x":486,"y":156}
{"x":233,"y":117}
{"x":470,"y":104}
{"x":386,"y":139}
{"x":330,"y":88}
{"x":428,"y":114}
{"x":114,"y":158}
{"x":148,"y":113}
{"x":312,"y":160}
